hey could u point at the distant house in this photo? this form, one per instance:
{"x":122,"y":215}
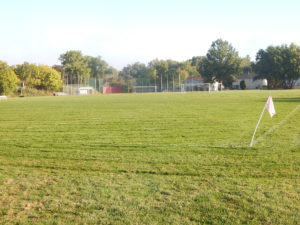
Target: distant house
{"x":196,"y":83}
{"x":193,"y":83}
{"x":84,"y":90}
{"x":250,"y":82}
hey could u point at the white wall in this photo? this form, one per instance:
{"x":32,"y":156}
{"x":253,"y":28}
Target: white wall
{"x":297,"y":84}
{"x":250,"y":84}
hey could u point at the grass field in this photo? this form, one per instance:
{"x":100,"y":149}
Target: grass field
{"x":150,"y":159}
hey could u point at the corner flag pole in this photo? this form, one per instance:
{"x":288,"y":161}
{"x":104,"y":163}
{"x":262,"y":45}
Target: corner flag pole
{"x":257,"y":126}
{"x":271,"y":109}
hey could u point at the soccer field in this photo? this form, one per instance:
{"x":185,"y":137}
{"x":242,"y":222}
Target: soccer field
{"x":161,"y":158}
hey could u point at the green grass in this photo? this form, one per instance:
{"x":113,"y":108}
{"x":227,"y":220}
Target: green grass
{"x":150,"y":159}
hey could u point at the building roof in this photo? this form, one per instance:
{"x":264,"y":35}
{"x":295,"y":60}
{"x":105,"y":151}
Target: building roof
{"x":86,"y":88}
{"x":195,"y":78}
{"x":246,"y":76}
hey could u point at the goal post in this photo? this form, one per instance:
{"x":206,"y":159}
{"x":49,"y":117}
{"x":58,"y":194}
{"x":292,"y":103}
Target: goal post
{"x":76,"y":89}
{"x":206,"y":87}
{"x":144,"y":89}
{"x":210,"y":87}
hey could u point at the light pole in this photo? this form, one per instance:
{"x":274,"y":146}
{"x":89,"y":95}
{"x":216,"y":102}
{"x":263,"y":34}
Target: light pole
{"x":160,"y":82}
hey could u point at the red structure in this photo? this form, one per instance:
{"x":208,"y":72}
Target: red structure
{"x":112,"y":89}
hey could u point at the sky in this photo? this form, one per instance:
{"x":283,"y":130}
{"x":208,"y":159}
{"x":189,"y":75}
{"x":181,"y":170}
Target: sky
{"x":128,"y":31}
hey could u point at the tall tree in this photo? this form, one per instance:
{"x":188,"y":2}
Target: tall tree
{"x":182,"y":75}
{"x":190,"y":68}
{"x":99,"y":70}
{"x":246,"y":64}
{"x":27,"y":73}
{"x":143,"y":75}
{"x":161,"y":68}
{"x":76,"y":67}
{"x":24,"y":72}
{"x":197,"y":62}
{"x":291,"y":64}
{"x":126,"y":75}
{"x":59,"y":69}
{"x":280,"y":65}
{"x":222,"y":63}
{"x":97,"y":66}
{"x":172,"y":73}
{"x":266,"y":66}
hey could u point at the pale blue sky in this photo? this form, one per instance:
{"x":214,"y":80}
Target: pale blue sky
{"x":124,"y":32}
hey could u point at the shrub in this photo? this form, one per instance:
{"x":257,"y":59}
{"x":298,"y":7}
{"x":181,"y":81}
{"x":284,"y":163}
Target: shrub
{"x":243,"y":85}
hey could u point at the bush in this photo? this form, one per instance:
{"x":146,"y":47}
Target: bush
{"x":35,"y":92}
{"x":243,"y":85}
{"x":40,"y":77}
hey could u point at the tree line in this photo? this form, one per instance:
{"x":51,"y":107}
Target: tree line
{"x":38,"y":77}
{"x":280,"y":65}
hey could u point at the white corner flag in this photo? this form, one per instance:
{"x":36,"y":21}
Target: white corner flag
{"x":270,"y":106}
{"x":271,"y":109}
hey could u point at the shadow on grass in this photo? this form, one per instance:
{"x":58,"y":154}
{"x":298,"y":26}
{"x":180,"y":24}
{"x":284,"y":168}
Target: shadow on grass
{"x":287,"y":99}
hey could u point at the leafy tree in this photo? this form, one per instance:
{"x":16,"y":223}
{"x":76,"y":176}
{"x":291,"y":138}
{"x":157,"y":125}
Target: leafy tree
{"x":291,"y":64}
{"x":197,"y":62}
{"x":154,"y":74}
{"x":221,"y":64}
{"x":111,"y":72}
{"x":59,"y":69}
{"x":161,"y":68}
{"x":125,"y":74}
{"x":76,"y":67}
{"x":34,"y":80}
{"x":97,"y":66}
{"x":100,"y":70}
{"x":8,"y":79}
{"x":140,"y":73}
{"x":267,"y":66}
{"x":246,"y":64}
{"x":280,"y":65}
{"x":40,"y":77}
{"x":172,"y":73}
{"x":182,"y":75}
{"x":192,"y":70}
{"x":47,"y":78}
{"x":185,"y":70}
{"x":25,"y":71}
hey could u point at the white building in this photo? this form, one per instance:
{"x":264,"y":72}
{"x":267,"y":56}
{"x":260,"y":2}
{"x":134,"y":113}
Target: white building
{"x":84,"y":90}
{"x":250,"y":82}
{"x":297,"y":84}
